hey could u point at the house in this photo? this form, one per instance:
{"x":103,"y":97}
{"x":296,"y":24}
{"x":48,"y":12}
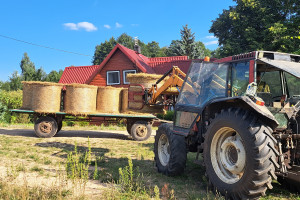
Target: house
{"x":120,"y":62}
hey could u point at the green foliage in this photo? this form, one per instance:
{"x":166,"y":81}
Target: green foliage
{"x":77,"y":166}
{"x":102,"y":50}
{"x":11,"y":100}
{"x":271,"y":25}
{"x":187,"y":46}
{"x":28,"y":73}
{"x":168,"y":116}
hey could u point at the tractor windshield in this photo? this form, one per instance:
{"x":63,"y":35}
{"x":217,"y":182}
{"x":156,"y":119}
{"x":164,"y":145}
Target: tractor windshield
{"x":204,"y":82}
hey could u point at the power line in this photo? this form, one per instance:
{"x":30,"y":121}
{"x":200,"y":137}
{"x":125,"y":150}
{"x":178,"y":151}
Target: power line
{"x":38,"y":45}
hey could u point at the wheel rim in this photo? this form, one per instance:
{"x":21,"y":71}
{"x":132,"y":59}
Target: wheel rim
{"x":163,"y":150}
{"x":141,"y":131}
{"x":45,"y":127}
{"x":228,"y":155}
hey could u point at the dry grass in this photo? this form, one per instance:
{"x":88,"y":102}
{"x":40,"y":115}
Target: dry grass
{"x":42,"y":161}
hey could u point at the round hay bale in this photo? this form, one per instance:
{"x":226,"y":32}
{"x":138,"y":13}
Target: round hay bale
{"x":147,"y":80}
{"x":27,"y":95}
{"x":109,"y":99}
{"x":124,"y":106}
{"x":80,"y":99}
{"x":46,"y":96}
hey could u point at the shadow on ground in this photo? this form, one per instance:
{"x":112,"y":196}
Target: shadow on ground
{"x":68,"y":133}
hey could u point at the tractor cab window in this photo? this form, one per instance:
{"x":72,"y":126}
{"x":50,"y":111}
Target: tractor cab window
{"x":240,"y":78}
{"x":269,"y":86}
{"x":205,"y":81}
{"x":293,"y":85}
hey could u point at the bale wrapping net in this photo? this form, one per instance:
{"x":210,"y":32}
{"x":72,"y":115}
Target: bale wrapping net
{"x":46,"y":96}
{"x":80,"y":99}
{"x":109,"y":99}
{"x":147,"y":80}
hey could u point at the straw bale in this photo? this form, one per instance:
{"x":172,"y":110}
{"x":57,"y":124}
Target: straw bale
{"x":27,"y":95}
{"x":109,"y":99}
{"x":80,"y":99}
{"x":124,"y":106}
{"x":147,"y":80}
{"x":46,"y":96}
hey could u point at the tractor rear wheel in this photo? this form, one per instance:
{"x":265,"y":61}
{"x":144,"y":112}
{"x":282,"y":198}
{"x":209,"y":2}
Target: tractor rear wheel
{"x":170,"y":151}
{"x":45,"y":127}
{"x":239,"y":155}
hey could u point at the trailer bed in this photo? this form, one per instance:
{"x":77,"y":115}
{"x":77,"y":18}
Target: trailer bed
{"x":139,"y":126}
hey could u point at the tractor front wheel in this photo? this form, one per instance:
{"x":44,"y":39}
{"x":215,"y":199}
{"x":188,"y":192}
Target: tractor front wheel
{"x":170,"y":151}
{"x":239,"y":155}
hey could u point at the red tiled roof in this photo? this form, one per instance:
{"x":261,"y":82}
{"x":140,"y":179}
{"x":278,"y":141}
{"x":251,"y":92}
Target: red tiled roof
{"x":157,"y":65}
{"x":78,"y":74}
{"x":162,"y":68}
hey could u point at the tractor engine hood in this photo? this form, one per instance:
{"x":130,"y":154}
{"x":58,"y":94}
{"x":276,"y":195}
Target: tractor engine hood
{"x":292,"y":68}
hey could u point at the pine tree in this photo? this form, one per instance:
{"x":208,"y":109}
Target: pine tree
{"x":187,"y":42}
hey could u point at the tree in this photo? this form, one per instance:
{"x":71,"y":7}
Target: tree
{"x":54,"y":76}
{"x":187,"y":42}
{"x":15,"y":81}
{"x":258,"y":25}
{"x":174,"y":49}
{"x":102,"y":50}
{"x":27,"y":68}
{"x":153,"y":49}
{"x":126,"y":40}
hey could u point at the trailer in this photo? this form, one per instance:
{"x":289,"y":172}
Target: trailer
{"x":46,"y":125}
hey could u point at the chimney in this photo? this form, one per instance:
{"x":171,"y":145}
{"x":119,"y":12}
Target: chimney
{"x":137,"y":48}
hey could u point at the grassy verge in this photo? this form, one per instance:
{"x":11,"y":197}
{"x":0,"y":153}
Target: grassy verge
{"x":111,"y":168}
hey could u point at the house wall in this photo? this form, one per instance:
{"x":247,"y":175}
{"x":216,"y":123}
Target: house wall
{"x":118,"y":62}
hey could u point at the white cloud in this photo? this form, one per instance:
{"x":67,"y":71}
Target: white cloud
{"x":210,"y":37}
{"x":211,"y":42}
{"x":70,"y":26}
{"x":134,"y":24}
{"x":118,"y":25}
{"x":107,"y":26}
{"x":87,"y":26}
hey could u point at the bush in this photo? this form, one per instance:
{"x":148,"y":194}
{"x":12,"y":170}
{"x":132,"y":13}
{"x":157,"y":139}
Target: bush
{"x":168,"y":116}
{"x":11,"y":100}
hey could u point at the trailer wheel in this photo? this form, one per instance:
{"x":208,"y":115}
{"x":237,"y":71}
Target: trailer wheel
{"x":128,"y":126}
{"x":239,"y":155}
{"x":45,"y":127}
{"x":170,"y":151}
{"x":141,"y":130}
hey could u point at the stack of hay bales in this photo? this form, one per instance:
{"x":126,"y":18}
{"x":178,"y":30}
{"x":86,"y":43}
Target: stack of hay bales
{"x":42,"y":97}
{"x":80,"y":99}
{"x":109,"y":99}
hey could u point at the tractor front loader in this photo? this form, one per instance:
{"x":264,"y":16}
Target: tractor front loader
{"x":242,"y":115}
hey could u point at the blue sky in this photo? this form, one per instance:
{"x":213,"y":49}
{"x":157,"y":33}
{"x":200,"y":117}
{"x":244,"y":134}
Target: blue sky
{"x":78,"y":26}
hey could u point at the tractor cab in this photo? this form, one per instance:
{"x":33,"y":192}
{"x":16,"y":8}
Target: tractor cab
{"x":277,"y":87}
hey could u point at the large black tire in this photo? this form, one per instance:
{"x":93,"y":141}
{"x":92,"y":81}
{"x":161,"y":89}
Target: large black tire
{"x":239,"y":155}
{"x":141,"y":130}
{"x":170,"y":151}
{"x":45,"y":127}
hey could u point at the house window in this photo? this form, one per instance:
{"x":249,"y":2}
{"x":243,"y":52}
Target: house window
{"x":125,"y":72}
{"x":113,"y":77}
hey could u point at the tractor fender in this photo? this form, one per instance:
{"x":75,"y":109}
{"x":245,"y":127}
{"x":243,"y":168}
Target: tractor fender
{"x":246,"y":103}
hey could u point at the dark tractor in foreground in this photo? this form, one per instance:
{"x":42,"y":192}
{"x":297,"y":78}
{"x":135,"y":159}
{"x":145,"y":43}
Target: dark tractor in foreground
{"x":242,"y":114}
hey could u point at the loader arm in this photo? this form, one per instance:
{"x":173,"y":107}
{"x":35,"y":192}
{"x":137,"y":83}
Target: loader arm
{"x":169,"y":87}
